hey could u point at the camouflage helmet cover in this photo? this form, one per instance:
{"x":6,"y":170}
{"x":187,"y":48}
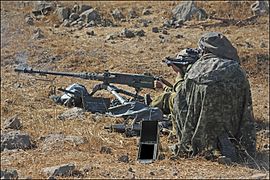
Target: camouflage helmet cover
{"x":218,"y":45}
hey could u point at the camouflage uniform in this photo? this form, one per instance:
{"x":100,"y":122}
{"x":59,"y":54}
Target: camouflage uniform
{"x":214,"y":100}
{"x":165,"y":100}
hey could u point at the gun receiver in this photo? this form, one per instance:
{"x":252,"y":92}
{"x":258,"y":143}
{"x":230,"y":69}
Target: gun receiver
{"x":137,"y":81}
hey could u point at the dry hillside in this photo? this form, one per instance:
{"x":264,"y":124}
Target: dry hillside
{"x":73,"y":50}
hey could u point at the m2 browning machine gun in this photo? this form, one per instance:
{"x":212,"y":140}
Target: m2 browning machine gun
{"x":143,"y":116}
{"x":137,"y":81}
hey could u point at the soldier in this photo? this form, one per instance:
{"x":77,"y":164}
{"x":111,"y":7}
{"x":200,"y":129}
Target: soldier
{"x":180,"y":65}
{"x":213,"y":106}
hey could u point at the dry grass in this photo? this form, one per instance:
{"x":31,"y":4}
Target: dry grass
{"x":93,"y":54}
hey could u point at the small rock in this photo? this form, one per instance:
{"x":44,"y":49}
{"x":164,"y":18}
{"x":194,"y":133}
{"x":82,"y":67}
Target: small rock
{"x":248,"y":45}
{"x":15,"y":140}
{"x":179,"y":36}
{"x":106,"y":150}
{"x":127,"y":33}
{"x":131,"y":170}
{"x":61,"y":170}
{"x":112,"y":36}
{"x":38,"y":34}
{"x":73,"y":113}
{"x":124,"y":158}
{"x":56,"y":26}
{"x":9,"y":174}
{"x":140,"y":33}
{"x":165,"y":32}
{"x":155,"y":29}
{"x":63,"y":13}
{"x":52,"y":178}
{"x":132,"y":14}
{"x":73,"y":23}
{"x":117,"y":15}
{"x":152,"y":173}
{"x":107,"y":23}
{"x":74,"y":17}
{"x":12,"y":123}
{"x":91,"y":24}
{"x":90,"y":33}
{"x":29,"y":20}
{"x":258,"y":176}
{"x":43,"y":7}
{"x":161,"y":157}
{"x":91,"y":15}
{"x":66,"y":23}
{"x":80,"y":8}
{"x":146,"y":12}
{"x":262,"y":45}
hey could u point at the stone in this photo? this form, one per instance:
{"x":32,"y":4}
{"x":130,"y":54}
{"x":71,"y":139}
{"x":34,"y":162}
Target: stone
{"x":155,"y":29}
{"x":146,"y":11}
{"x":73,"y":113}
{"x":112,"y":36}
{"x":127,"y":33}
{"x":43,"y":7}
{"x":66,"y":23}
{"x":132,"y":14}
{"x":201,"y":14}
{"x":12,"y":123}
{"x":107,"y":23}
{"x":61,"y":170}
{"x":140,"y":33}
{"x":124,"y":158}
{"x":63,"y":13}
{"x":263,"y":45}
{"x":117,"y":15}
{"x":56,"y":140}
{"x":179,"y":36}
{"x":165,"y":32}
{"x":90,"y":33}
{"x":15,"y":140}
{"x":106,"y":150}
{"x":91,"y":15}
{"x":81,"y":8}
{"x":38,"y":34}
{"x":74,"y":17}
{"x":184,"y":11}
{"x":29,"y":20}
{"x":91,"y":24}
{"x":56,"y":25}
{"x":9,"y":174}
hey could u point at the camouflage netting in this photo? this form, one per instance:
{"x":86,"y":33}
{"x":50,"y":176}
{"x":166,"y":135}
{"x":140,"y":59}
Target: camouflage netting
{"x":214,"y":100}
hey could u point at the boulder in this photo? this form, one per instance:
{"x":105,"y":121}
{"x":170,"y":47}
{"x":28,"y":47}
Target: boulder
{"x":15,"y":140}
{"x":184,"y":11}
{"x":63,"y":13}
{"x":117,"y":15}
{"x":12,"y":123}
{"x":9,"y":174}
{"x":91,"y":15}
{"x":61,"y":170}
{"x":155,"y":29}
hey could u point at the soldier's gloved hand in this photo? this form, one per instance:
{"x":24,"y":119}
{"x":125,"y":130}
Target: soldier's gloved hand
{"x":158,"y":84}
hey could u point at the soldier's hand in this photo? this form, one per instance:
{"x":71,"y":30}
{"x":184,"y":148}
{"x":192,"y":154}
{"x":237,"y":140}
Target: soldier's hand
{"x":158,"y":84}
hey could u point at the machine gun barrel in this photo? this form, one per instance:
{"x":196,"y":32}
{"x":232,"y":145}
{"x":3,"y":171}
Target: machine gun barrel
{"x":137,"y":81}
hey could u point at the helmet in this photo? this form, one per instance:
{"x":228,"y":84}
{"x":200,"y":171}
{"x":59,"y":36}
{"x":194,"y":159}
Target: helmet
{"x":219,"y":45}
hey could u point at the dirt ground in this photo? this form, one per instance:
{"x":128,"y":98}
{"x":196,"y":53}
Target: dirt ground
{"x":27,"y":96}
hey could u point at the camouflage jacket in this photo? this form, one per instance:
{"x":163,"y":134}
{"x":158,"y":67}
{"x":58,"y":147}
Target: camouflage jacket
{"x":214,"y":98}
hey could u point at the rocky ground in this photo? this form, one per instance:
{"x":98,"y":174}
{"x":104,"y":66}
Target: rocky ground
{"x":120,"y":37}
